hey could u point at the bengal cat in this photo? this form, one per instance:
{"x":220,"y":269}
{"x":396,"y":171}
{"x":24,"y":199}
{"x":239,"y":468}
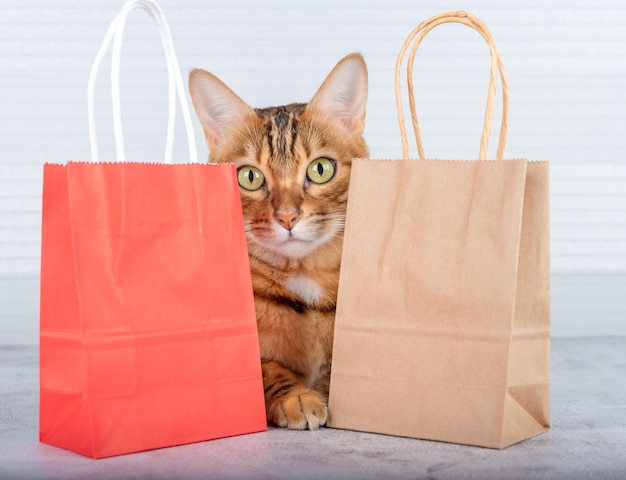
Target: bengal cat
{"x":293,"y":166}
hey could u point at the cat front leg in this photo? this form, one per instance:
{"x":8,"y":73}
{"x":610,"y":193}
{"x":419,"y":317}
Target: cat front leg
{"x":288,"y":402}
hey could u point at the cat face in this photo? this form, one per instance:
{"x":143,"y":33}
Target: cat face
{"x":293,"y":162}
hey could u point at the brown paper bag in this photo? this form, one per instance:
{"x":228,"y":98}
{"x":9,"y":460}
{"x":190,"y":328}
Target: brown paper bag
{"x":443,"y":316}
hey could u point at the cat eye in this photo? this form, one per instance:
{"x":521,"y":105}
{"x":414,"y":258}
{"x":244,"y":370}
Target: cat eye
{"x":250,"y":178}
{"x":321,"y":170}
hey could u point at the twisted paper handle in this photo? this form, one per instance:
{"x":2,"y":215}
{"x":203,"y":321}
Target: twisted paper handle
{"x":416,"y":36}
{"x":175,"y":84}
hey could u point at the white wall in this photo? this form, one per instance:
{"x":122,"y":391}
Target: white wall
{"x":565,"y":62}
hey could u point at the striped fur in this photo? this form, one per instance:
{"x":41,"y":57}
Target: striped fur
{"x":295,"y":270}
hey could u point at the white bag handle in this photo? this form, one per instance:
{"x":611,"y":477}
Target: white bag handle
{"x":175,"y":83}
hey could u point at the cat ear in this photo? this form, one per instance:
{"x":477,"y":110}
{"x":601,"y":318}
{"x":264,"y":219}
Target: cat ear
{"x":343,"y":94}
{"x":218,"y":107}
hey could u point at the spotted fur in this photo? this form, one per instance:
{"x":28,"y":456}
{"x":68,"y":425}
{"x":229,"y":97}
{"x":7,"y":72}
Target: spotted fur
{"x":293,"y":225}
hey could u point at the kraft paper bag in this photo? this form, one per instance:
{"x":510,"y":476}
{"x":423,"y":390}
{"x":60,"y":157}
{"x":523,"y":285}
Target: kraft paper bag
{"x":443,"y":314}
{"x":148,"y":332}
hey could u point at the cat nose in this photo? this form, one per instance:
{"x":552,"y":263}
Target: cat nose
{"x":287,"y":220}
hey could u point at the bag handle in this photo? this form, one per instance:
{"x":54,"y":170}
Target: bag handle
{"x":175,"y":83}
{"x":496,"y":66}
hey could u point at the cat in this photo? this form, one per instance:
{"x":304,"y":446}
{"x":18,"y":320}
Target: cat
{"x":293,"y":167}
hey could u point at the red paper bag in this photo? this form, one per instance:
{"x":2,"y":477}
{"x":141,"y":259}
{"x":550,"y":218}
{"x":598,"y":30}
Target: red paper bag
{"x":148,"y":332}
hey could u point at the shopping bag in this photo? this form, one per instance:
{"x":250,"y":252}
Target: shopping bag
{"x":148,"y":332}
{"x":442,"y":329}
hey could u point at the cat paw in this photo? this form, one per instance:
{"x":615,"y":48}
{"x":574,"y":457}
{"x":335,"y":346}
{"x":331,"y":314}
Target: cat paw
{"x":299,"y":410}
